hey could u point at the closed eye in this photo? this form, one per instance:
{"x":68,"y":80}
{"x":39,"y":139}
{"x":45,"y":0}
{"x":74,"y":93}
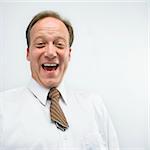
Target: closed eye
{"x":60,"y":45}
{"x":40,"y":45}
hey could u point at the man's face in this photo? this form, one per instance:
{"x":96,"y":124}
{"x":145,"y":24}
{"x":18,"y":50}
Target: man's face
{"x":49,"y":51}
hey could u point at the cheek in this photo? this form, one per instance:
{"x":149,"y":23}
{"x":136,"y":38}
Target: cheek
{"x":65,"y":59}
{"x":67,"y":56}
{"x":34,"y":60}
{"x":34,"y":55}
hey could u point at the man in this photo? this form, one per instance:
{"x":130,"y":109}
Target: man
{"x":45,"y":115}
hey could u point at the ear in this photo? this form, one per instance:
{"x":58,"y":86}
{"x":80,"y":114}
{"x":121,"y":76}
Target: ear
{"x":70,"y":53}
{"x":27,"y":54}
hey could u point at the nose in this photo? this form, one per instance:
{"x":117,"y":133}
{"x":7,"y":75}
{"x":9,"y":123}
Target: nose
{"x":50,"y":51}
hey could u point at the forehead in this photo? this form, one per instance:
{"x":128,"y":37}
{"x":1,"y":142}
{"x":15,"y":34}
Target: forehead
{"x":49,"y":25}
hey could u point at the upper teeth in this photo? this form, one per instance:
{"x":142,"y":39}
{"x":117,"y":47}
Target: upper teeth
{"x":50,"y":65}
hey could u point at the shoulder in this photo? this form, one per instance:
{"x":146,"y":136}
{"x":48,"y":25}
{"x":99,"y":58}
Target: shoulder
{"x":91,"y":99}
{"x":12,"y":94}
{"x":12,"y":99}
{"x":89,"y":95}
{"x":86,"y":96}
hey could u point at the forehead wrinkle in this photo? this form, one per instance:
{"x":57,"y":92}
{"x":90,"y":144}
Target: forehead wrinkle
{"x":49,"y":33}
{"x":51,"y":24}
{"x":47,"y":37}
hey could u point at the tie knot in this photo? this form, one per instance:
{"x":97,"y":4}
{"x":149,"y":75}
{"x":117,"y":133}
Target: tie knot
{"x":54,"y":94}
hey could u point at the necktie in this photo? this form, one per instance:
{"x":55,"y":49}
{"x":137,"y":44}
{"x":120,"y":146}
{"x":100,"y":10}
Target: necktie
{"x":56,"y":112}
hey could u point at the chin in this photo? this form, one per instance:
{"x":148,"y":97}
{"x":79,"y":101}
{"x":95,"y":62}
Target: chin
{"x":50,"y":84}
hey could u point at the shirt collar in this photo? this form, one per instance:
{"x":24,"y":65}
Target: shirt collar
{"x":40,"y":92}
{"x":62,"y":90}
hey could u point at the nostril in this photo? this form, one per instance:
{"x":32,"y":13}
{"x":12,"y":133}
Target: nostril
{"x":50,"y":52}
{"x":50,"y":55}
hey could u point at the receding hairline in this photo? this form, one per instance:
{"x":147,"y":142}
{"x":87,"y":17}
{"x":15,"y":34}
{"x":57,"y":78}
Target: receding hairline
{"x":52,"y":14}
{"x":60,"y":35}
{"x":53,"y":18}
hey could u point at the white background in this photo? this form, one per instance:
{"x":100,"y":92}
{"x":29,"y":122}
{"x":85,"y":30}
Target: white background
{"x":109,"y":56}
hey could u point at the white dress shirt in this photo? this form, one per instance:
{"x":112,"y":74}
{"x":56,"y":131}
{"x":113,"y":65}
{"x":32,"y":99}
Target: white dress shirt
{"x":25,"y":121}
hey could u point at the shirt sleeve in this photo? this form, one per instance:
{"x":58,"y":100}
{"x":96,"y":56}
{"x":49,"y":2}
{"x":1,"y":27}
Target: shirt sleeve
{"x":105,"y":125}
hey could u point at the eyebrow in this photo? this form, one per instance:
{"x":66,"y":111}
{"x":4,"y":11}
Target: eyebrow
{"x":38,"y":37}
{"x":55,"y":37}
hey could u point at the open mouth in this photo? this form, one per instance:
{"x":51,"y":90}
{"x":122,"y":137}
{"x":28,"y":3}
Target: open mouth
{"x":50,"y":67}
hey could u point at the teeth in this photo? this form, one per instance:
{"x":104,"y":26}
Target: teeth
{"x":49,"y":65}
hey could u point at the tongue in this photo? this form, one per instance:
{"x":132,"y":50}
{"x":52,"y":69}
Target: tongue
{"x":49,"y":68}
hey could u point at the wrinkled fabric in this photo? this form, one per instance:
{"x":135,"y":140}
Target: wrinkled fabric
{"x":25,"y":122}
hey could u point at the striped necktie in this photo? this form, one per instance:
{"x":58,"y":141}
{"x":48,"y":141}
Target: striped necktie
{"x":56,"y":113}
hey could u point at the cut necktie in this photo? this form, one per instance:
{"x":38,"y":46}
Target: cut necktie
{"x":56,"y":113}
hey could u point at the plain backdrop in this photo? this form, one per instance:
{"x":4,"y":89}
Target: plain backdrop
{"x":109,"y":56}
